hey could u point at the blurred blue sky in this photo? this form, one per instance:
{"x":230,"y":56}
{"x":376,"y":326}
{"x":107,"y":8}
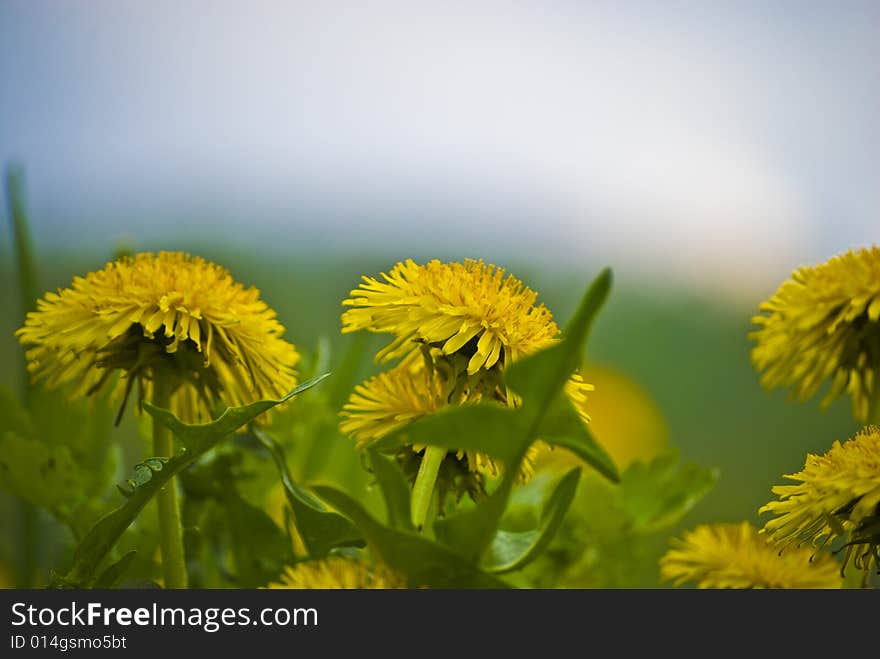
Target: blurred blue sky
{"x":716,"y":142}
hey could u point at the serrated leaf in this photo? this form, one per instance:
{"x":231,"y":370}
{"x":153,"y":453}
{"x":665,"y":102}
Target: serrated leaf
{"x":511,"y":551}
{"x":142,"y":474}
{"x":97,"y":543}
{"x":395,"y":490}
{"x":321,"y":530}
{"x":423,"y":562}
{"x":195,"y":437}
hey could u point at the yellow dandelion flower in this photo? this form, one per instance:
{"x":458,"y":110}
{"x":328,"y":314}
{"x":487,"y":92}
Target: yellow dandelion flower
{"x":737,"y":556}
{"x":577,"y":389}
{"x":837,"y":494}
{"x":389,"y":401}
{"x":822,"y":324}
{"x":338,"y":573}
{"x":469,"y":307}
{"x":392,"y":400}
{"x":217,"y":339}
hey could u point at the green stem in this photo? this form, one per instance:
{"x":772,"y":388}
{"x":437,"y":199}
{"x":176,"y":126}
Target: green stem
{"x":423,"y":489}
{"x":170,"y":528}
{"x":27,"y":296}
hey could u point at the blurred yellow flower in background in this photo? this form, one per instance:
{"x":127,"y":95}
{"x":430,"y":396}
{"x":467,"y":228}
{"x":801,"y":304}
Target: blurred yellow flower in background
{"x":5,"y":577}
{"x":837,"y":494}
{"x":824,"y":324}
{"x":337,"y":572}
{"x":623,"y":418}
{"x":216,"y":339}
{"x":737,"y":556}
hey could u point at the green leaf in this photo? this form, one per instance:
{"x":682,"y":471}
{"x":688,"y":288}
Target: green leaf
{"x":423,"y":562}
{"x":199,"y":437}
{"x":110,"y":576}
{"x":395,"y":490}
{"x":470,"y":532}
{"x":658,"y":494}
{"x":320,"y":529}
{"x":259,"y":547}
{"x":143,"y":472}
{"x":614,"y":535}
{"x":345,"y":373}
{"x":486,"y":427}
{"x":539,"y":378}
{"x":85,"y":427}
{"x":506,"y":434}
{"x":498,"y":431}
{"x":13,"y":417}
{"x":27,"y":286}
{"x":42,"y":475}
{"x":562,"y":426}
{"x":513,"y":550}
{"x":98,"y":542}
{"x":506,"y":549}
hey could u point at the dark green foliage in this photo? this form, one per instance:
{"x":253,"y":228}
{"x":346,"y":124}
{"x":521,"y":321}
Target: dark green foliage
{"x":197,"y":440}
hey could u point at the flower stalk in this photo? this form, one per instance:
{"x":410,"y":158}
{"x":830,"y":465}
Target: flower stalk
{"x":170,"y":527}
{"x":423,"y":489}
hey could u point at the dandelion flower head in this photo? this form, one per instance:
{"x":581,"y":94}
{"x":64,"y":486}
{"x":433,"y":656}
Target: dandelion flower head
{"x":824,"y":324}
{"x":337,"y":572}
{"x":737,"y":556}
{"x":837,"y":494}
{"x":217,"y":339}
{"x":391,"y":400}
{"x":455,"y":307}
